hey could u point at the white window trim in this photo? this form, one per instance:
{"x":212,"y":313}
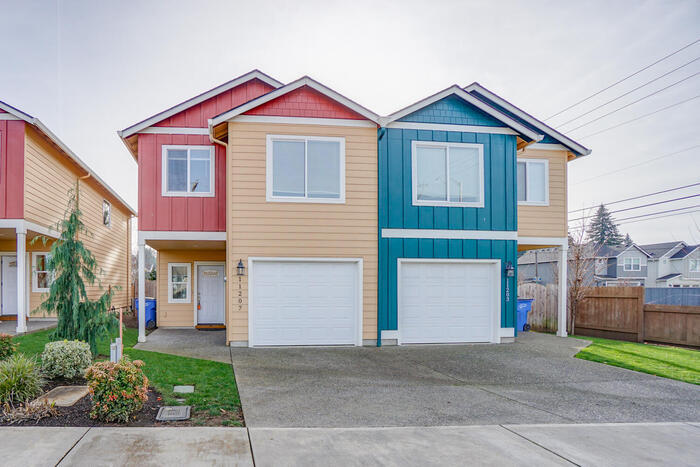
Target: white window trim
{"x":109,"y":224}
{"x":170,"y":283}
{"x":546,"y":178}
{"x":188,"y":194}
{"x":631,"y":267}
{"x":305,"y":199}
{"x":692,"y":261}
{"x":35,"y":279}
{"x":447,"y":146}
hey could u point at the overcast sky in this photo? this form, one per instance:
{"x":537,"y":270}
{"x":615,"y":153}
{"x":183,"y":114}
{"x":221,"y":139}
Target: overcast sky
{"x":90,"y":68}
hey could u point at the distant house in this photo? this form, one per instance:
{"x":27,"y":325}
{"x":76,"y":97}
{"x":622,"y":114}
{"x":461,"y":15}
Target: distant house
{"x":673,"y":264}
{"x":621,"y":266}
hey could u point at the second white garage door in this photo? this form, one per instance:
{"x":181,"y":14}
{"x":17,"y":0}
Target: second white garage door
{"x":448,"y":301}
{"x":304,"y":303}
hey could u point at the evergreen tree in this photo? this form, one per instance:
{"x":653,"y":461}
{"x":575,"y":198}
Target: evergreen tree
{"x":72,"y":266}
{"x":603,"y":230}
{"x":628,"y":240}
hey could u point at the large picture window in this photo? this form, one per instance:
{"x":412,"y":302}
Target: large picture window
{"x":188,"y":171}
{"x":179,"y":282}
{"x":533,"y":182}
{"x":448,"y":174}
{"x":305,"y":169}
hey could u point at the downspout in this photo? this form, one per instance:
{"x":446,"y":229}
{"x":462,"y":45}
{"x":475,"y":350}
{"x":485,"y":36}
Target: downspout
{"x":380,"y":135}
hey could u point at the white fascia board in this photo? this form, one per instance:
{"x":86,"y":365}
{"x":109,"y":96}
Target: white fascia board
{"x":548,"y":147}
{"x":180,"y":235}
{"x":448,"y":127}
{"x":15,"y":113}
{"x":4,"y":116}
{"x":304,"y":81}
{"x":528,"y":118}
{"x":303,"y":121}
{"x":171,"y":130}
{"x":44,"y":129}
{"x":459,"y":92}
{"x":633,"y":246}
{"x":559,"y":241}
{"x":21,"y":226}
{"x":451,"y":234}
{"x":125,"y":133}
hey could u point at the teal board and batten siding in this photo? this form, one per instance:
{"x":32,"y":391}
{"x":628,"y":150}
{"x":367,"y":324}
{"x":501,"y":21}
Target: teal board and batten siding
{"x":396,"y":211}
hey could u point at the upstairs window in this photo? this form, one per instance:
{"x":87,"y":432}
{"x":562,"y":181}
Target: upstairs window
{"x":188,"y":171}
{"x":533,"y":182}
{"x":633,"y":264}
{"x":694,"y":265}
{"x":106,"y":213}
{"x":305,"y":169}
{"x":448,"y":174}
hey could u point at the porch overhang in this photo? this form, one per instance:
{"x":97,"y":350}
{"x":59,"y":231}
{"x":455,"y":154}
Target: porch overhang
{"x":169,"y":240}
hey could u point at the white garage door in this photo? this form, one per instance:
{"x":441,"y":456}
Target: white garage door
{"x":304,"y":303}
{"x":442,"y":302}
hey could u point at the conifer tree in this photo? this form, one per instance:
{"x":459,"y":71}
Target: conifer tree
{"x":72,"y":266}
{"x":628,"y":240}
{"x":603,"y":230}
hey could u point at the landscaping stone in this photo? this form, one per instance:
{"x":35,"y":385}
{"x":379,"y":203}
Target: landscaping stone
{"x":64,"y":396}
{"x":173,"y":413}
{"x":183,"y":389}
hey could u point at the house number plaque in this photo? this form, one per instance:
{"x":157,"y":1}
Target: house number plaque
{"x":240,"y":293}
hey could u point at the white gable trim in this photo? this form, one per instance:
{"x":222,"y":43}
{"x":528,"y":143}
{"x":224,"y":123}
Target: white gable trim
{"x":528,"y":118}
{"x":171,"y":130}
{"x":448,"y":127}
{"x":303,"y":121}
{"x":633,"y":246}
{"x":14,"y":114}
{"x":304,"y":81}
{"x":547,"y":147}
{"x":459,"y":92}
{"x":125,"y":133}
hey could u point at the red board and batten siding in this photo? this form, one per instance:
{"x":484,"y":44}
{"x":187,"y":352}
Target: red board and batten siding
{"x":11,"y":169}
{"x":305,"y":102}
{"x":177,"y":213}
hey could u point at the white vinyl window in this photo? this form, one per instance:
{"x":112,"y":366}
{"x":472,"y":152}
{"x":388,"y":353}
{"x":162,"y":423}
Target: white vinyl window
{"x":694,"y":265}
{"x":633,"y":264}
{"x":106,"y":213}
{"x":179,"y":282}
{"x":188,"y":171}
{"x":533,"y":182}
{"x":41,"y":276}
{"x":447,"y":174}
{"x":305,"y":169}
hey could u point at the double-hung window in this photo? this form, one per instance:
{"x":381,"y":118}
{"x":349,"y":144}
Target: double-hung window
{"x":447,"y":174}
{"x":41,"y":276}
{"x":188,"y":171}
{"x":179,"y":282}
{"x":694,"y":265}
{"x":533,"y":182}
{"x":633,"y":264}
{"x":305,"y":169}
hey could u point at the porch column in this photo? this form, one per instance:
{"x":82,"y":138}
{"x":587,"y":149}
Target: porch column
{"x":563,"y":289}
{"x":21,"y":281}
{"x":142,"y":291}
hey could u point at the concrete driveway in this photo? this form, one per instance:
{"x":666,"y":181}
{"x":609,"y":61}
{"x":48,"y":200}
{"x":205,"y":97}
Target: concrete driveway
{"x":535,"y":380}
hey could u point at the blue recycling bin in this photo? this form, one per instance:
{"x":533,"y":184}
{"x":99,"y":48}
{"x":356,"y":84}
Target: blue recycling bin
{"x":150,"y":312}
{"x":524,"y":307}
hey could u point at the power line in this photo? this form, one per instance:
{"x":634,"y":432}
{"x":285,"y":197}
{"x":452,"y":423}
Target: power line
{"x":640,"y":117}
{"x":629,"y":92}
{"x":657,"y":212}
{"x":639,"y":207}
{"x":605,"y":174}
{"x":639,"y":196}
{"x":661,"y":217}
{"x":623,"y":79}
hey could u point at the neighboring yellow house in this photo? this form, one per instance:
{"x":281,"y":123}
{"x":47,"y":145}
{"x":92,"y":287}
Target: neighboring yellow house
{"x":37,"y":171}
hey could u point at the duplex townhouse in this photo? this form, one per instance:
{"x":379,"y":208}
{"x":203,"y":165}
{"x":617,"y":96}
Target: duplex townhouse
{"x":291,"y":215}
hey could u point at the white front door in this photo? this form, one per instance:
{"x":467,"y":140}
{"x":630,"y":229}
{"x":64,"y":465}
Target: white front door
{"x":9,"y":285}
{"x":448,"y":301}
{"x":211,"y":302}
{"x":304,"y":303}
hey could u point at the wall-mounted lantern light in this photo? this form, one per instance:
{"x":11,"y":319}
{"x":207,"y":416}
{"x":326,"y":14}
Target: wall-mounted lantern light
{"x":240,"y":268}
{"x":510,"y":270}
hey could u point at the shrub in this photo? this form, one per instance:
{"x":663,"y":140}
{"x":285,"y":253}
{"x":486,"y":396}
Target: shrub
{"x":20,"y":380}
{"x":118,"y":389}
{"x":7,"y":347}
{"x":65,"y":359}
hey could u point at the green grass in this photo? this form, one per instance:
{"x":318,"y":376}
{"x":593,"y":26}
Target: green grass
{"x":215,"y":399}
{"x":668,"y":362}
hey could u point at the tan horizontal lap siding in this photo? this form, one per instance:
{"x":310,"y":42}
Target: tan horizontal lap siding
{"x":179,"y":314}
{"x":546,"y":221}
{"x":269,"y":229}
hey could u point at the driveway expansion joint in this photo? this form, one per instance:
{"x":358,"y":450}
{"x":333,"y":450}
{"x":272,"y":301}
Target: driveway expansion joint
{"x":539,"y":445}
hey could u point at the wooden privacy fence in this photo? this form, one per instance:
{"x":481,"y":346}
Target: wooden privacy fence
{"x":543,"y":316}
{"x":150,"y":289}
{"x":620,"y":313}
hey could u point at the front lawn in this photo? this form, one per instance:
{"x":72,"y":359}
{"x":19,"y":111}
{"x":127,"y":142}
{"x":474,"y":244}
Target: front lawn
{"x":215,"y":400}
{"x":668,"y":362}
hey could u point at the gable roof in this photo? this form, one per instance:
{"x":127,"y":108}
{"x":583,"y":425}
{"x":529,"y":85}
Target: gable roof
{"x":303,"y":81}
{"x":66,"y":150}
{"x":477,"y":90}
{"x":255,"y":74}
{"x":479,"y":104}
{"x":657,"y":250}
{"x":668,"y":276}
{"x":685,"y":251}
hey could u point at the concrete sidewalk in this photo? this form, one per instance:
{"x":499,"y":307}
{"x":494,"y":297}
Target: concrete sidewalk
{"x":675,"y":444}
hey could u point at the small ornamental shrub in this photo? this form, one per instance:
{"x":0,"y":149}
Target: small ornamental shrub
{"x":118,"y":389}
{"x":7,"y":347}
{"x":20,"y":380}
{"x":65,"y":359}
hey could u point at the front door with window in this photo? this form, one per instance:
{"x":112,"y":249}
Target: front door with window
{"x":9,"y":285}
{"x":211,"y":303}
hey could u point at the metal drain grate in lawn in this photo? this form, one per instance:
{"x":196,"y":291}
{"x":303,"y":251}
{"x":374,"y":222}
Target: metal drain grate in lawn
{"x":173,"y":413}
{"x":183,"y":389}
